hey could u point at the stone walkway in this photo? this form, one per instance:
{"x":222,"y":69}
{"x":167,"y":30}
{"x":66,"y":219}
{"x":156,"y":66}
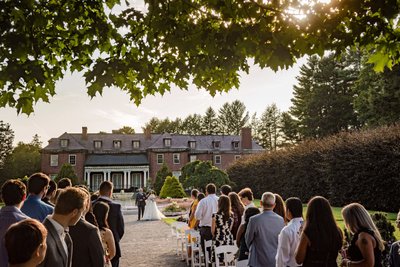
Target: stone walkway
{"x":147,"y":243}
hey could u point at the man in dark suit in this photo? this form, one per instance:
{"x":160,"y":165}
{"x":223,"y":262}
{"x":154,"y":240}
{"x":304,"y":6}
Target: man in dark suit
{"x":115,"y":219}
{"x":67,"y":212}
{"x":140,"y":203}
{"x":88,"y":250}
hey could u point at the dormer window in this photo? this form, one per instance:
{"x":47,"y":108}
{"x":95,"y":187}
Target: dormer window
{"x":192,"y":144}
{"x":235,"y":144}
{"x":117,"y":144}
{"x":97,"y":144}
{"x":136,"y":144}
{"x":167,"y":142}
{"x":64,"y":142}
{"x":216,"y":144}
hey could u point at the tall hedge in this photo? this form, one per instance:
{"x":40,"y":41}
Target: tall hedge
{"x":359,"y":167}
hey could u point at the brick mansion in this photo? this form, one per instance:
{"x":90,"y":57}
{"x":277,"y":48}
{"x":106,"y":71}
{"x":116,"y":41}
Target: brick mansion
{"x":131,"y":161}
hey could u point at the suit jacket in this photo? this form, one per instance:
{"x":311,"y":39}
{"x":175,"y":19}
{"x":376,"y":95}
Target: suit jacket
{"x":262,"y":238}
{"x":115,"y":221}
{"x":55,"y":253}
{"x":141,"y":199}
{"x":88,"y":250}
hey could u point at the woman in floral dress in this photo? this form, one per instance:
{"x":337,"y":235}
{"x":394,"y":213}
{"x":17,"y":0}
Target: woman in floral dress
{"x":222,"y":223}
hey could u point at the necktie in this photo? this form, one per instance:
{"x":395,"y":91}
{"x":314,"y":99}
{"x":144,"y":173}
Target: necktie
{"x":68,"y":241}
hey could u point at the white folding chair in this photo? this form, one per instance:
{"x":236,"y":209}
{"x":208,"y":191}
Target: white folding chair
{"x":207,"y":250}
{"x":197,"y":253}
{"x":180,"y":236}
{"x":242,"y":263}
{"x":187,"y":240}
{"x":229,"y":255}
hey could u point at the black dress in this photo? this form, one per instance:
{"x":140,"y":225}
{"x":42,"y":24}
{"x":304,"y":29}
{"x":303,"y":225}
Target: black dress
{"x":354,"y":252}
{"x":323,"y":254}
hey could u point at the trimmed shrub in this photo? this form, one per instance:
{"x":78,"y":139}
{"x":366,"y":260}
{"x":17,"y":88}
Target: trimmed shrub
{"x":160,"y":177}
{"x":359,"y":167}
{"x":172,"y":188}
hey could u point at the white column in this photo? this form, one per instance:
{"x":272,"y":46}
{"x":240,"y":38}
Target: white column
{"x":88,"y":178}
{"x":124,"y":179}
{"x":109,"y":176}
{"x":104,"y":176}
{"x":145,"y":178}
{"x":128,"y":184}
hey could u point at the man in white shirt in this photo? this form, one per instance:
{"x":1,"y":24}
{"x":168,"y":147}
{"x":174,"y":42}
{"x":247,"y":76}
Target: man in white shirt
{"x":204,"y":211}
{"x":290,"y":235}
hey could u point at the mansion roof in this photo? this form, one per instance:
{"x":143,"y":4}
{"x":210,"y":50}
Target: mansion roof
{"x":104,"y":143}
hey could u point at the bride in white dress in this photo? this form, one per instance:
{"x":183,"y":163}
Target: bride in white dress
{"x":151,"y":212}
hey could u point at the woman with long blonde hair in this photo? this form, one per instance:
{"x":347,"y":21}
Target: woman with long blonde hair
{"x":366,"y":245}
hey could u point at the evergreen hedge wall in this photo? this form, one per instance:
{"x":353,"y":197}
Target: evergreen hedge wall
{"x":359,"y":167}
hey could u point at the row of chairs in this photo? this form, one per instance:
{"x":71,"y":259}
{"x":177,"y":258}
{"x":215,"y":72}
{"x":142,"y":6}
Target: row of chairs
{"x":188,"y":247}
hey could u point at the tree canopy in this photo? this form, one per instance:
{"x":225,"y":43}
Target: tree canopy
{"x":175,"y":43}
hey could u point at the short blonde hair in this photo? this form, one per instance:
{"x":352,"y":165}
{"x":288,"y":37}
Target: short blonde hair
{"x":356,"y":217}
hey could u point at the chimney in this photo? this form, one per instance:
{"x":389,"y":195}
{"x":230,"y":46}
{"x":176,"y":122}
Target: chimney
{"x":84,"y":133}
{"x":246,"y":138}
{"x":147,"y":133}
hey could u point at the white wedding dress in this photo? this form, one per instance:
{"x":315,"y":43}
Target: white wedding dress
{"x":151,"y":212}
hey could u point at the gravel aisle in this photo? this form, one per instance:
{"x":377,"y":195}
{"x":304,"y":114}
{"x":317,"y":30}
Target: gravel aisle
{"x":147,"y":243}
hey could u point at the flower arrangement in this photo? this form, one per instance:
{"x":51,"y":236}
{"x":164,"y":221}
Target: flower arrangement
{"x":174,"y":207}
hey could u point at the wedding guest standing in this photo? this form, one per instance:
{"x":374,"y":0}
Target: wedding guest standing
{"x":366,"y":245}
{"x":222,"y":223}
{"x":88,"y":249}
{"x":33,"y":206}
{"x":64,"y":183}
{"x":240,"y":237}
{"x":26,"y":243}
{"x":290,"y":235}
{"x":205,"y":209}
{"x":115,"y":220}
{"x":13,"y":193}
{"x":262,"y":233}
{"x":192,"y":220}
{"x":394,"y":260}
{"x":101,"y":211}
{"x":51,"y":191}
{"x":237,"y":211}
{"x":280,"y":206}
{"x":246,"y":196}
{"x":225,"y":189}
{"x":321,"y":239}
{"x":69,"y":208}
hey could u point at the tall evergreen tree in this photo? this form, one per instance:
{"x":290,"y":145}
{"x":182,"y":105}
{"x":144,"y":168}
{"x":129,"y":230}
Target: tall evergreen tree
{"x":322,"y":102}
{"x":210,"y":123}
{"x":232,"y":117}
{"x":270,"y":128}
{"x":192,"y":124}
{"x":377,"y":96}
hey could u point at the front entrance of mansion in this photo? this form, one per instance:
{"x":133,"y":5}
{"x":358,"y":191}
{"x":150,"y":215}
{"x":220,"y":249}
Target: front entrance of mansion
{"x":114,"y":168}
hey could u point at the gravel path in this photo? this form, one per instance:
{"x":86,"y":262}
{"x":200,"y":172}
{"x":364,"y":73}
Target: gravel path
{"x":147,"y":243}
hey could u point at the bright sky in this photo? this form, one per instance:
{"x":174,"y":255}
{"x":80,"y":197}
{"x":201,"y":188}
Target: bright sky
{"x":72,"y":108}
